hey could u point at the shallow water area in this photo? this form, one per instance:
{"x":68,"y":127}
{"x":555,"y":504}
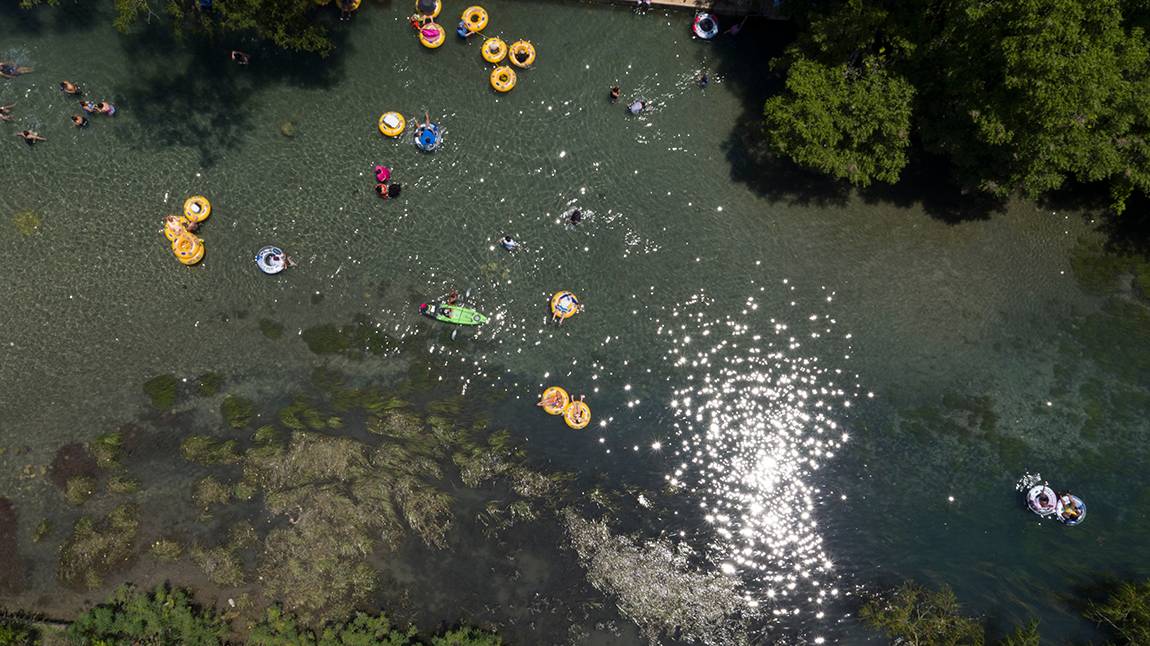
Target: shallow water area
{"x":808,"y":394}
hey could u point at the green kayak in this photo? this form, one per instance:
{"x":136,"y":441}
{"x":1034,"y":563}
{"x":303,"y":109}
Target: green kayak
{"x":455,"y":314}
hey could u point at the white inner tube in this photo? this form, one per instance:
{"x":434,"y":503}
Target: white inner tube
{"x":271,"y":260}
{"x":1042,"y":500}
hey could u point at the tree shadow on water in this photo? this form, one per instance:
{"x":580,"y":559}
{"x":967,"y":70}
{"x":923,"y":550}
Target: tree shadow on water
{"x":69,"y":16}
{"x":199,"y":98}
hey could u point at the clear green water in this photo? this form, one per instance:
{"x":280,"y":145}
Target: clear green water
{"x":955,"y":357}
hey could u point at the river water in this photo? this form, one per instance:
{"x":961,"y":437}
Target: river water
{"x":820,"y":393}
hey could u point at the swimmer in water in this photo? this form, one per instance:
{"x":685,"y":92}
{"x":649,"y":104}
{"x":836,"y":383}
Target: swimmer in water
{"x":240,"y":57}
{"x":509,"y":243}
{"x":703,"y":80}
{"x":637,"y":106}
{"x":575,"y":217}
{"x":89,"y":107}
{"x":79,"y":120}
{"x":68,"y":87}
{"x":614,"y":93}
{"x":521,"y":56}
{"x":11,"y":70}
{"x":381,"y":190}
{"x":30,"y":136}
{"x":104,"y":107}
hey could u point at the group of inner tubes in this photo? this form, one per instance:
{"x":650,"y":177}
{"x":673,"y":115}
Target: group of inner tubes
{"x":188,"y":248}
{"x":473,"y":20}
{"x":1066,"y":507}
{"x":427,"y":136}
{"x":180,"y":230}
{"x":556,"y":401}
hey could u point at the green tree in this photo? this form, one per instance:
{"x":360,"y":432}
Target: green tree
{"x":1125,"y":613}
{"x":467,"y":636}
{"x":15,"y":632}
{"x":1023,"y":636}
{"x":916,"y":616}
{"x":164,"y":616}
{"x":1043,"y":91}
{"x":849,"y":122}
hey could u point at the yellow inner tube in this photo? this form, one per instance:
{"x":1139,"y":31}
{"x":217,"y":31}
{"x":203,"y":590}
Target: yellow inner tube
{"x":503,"y":78}
{"x":554,"y":400}
{"x":188,"y":248}
{"x":475,"y":18}
{"x":432,"y":44}
{"x":174,"y":225}
{"x":577,"y":415}
{"x":555,"y":305}
{"x":397,"y":119}
{"x":526,"y":50}
{"x":197,"y":208}
{"x":434,"y":13}
{"x":494,"y":50}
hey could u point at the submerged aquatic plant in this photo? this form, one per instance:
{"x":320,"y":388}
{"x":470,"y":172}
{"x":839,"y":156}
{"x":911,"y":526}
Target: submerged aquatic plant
{"x":27,"y":222}
{"x":123,"y":484}
{"x":40,"y":532}
{"x":271,"y":329}
{"x":220,"y":563}
{"x":237,"y":411}
{"x":205,"y":449}
{"x":106,"y":449}
{"x":657,"y":588}
{"x":209,"y":493}
{"x":97,"y":546}
{"x":166,"y":549}
{"x":79,"y":489}
{"x":161,"y":390}
{"x":209,"y":384}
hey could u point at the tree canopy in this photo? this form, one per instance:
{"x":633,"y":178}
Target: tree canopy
{"x":1020,"y":96}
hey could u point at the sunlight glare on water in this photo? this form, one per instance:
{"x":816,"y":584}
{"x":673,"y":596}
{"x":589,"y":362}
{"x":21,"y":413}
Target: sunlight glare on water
{"x":757,"y":413}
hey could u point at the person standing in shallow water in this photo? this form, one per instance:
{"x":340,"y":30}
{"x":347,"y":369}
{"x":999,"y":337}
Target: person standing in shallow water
{"x":615,"y":91}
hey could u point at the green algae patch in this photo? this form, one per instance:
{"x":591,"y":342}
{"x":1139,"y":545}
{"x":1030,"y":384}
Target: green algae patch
{"x":396,"y":424}
{"x":166,"y":549}
{"x":161,"y":390}
{"x":209,"y":384}
{"x":271,"y":329}
{"x":78,"y":490}
{"x":208,"y":450}
{"x":360,"y":338}
{"x":237,"y":411}
{"x":42,"y":530}
{"x":97,"y":546}
{"x":27,"y":222}
{"x":107,"y":449}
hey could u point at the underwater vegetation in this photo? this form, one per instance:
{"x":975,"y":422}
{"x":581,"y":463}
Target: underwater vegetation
{"x":237,"y":411}
{"x":657,"y":588}
{"x":96,"y":546}
{"x":161,"y":390}
{"x":27,"y":222}
{"x":209,"y":384}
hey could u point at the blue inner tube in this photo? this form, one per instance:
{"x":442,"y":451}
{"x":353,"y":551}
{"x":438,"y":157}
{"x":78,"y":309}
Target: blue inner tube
{"x":427,"y":137}
{"x":270,"y":260}
{"x":1066,"y":516}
